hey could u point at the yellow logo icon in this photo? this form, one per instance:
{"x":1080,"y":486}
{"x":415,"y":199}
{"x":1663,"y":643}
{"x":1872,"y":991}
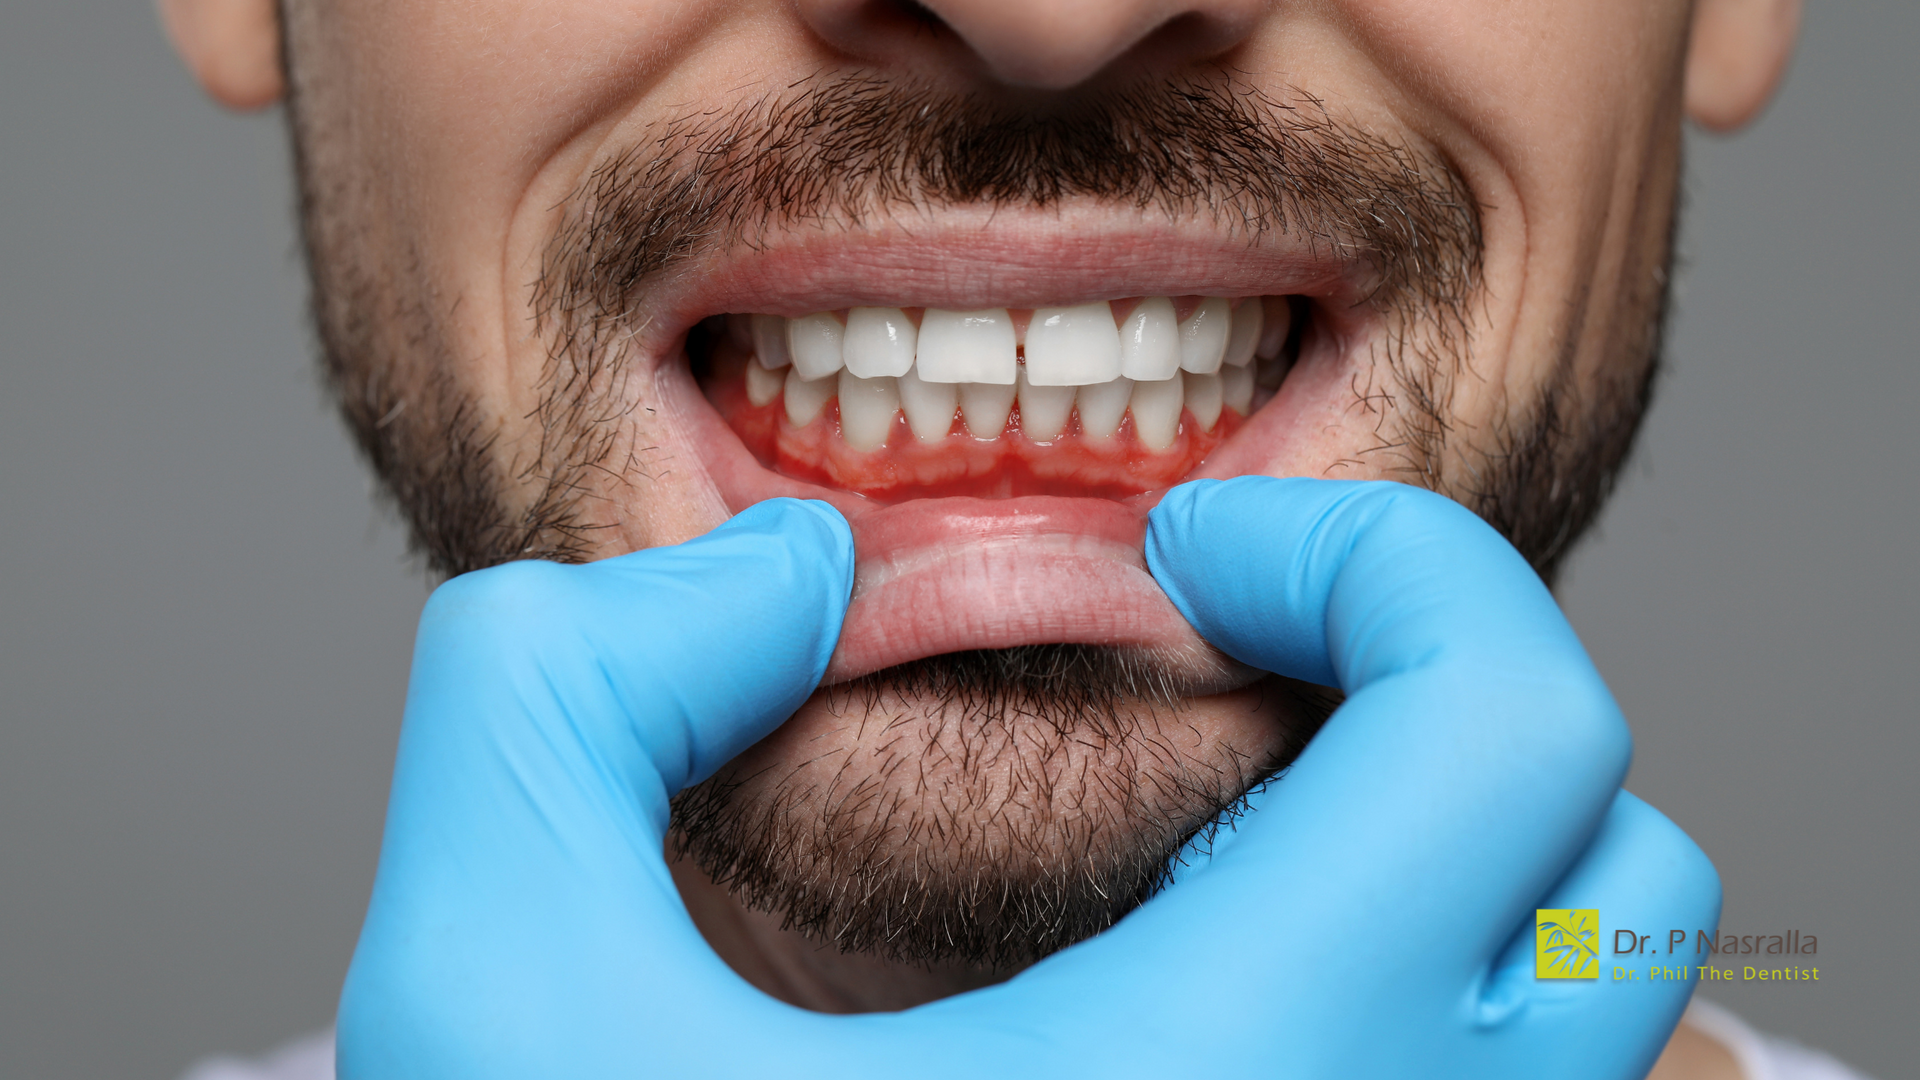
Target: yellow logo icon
{"x":1566,"y":943}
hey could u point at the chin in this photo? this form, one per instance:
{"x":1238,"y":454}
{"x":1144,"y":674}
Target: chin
{"x":985,"y":808}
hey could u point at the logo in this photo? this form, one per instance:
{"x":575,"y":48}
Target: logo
{"x":1566,"y":943}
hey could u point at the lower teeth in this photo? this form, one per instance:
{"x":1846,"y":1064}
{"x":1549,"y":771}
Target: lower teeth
{"x":869,"y":407}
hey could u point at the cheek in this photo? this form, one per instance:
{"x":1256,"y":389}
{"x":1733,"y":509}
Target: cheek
{"x":656,"y":482}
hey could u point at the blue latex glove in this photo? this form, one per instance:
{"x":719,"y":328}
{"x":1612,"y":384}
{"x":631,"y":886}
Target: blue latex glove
{"x":1371,"y":918}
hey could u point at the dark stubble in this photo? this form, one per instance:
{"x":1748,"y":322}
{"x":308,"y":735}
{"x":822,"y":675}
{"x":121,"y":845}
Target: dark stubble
{"x":994,"y":871}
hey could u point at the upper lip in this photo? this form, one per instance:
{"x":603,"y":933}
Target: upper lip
{"x":970,"y":259}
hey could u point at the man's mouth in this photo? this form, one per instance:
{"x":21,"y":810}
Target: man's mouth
{"x":997,"y":463}
{"x":993,"y":382}
{"x":1107,"y":399}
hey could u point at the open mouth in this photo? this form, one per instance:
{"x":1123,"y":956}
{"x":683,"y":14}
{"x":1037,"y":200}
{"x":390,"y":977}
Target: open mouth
{"x":1108,"y":399}
{"x":997,"y":464}
{"x":996,"y":459}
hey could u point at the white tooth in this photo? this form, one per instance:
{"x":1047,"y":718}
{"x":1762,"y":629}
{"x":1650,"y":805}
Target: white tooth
{"x":763,"y":385}
{"x":867,"y":408}
{"x":1076,"y":346}
{"x":929,"y":406}
{"x":1278,"y":320}
{"x":1044,"y":409}
{"x":814,"y":341}
{"x":1245,"y":334}
{"x":1156,"y":411}
{"x":1101,"y":407}
{"x":1150,"y":341}
{"x":985,"y":406}
{"x":806,"y":398}
{"x":1236,"y":389}
{"x":879,"y":342}
{"x":770,"y":341}
{"x":966,"y":346}
{"x":1205,"y":394}
{"x":1203,"y":337}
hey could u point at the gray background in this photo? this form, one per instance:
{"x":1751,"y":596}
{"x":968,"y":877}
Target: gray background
{"x":204,"y":622}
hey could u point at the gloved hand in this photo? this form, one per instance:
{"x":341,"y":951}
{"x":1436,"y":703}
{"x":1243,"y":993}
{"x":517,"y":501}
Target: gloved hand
{"x":1371,"y":918}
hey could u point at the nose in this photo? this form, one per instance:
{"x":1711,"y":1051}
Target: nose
{"x":1042,"y":44}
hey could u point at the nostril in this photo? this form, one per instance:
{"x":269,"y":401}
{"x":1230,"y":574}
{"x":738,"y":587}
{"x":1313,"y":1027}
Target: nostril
{"x":1062,"y":44}
{"x":878,"y":31}
{"x":1036,"y":44}
{"x":918,"y":13}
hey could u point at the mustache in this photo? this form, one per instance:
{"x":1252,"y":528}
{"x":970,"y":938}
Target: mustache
{"x":843,"y":149}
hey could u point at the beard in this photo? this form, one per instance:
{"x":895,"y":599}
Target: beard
{"x":1011,"y":802}
{"x":994,"y":807}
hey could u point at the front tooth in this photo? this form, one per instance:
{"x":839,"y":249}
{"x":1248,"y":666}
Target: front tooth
{"x":967,"y":347}
{"x":985,"y":406}
{"x":1277,"y":322}
{"x":1203,"y":337}
{"x":879,"y":342}
{"x":1076,"y":346}
{"x":1150,"y":341}
{"x":1245,"y":334}
{"x":763,"y":385}
{"x":1156,"y":411}
{"x":929,"y":406}
{"x":1101,"y":407}
{"x":1205,"y":394}
{"x":770,"y":341}
{"x":806,"y":398}
{"x":815,"y":344}
{"x":867,"y":408}
{"x":1044,"y":409}
{"x":1236,"y":389}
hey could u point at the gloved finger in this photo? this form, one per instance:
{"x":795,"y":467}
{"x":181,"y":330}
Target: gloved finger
{"x":1347,"y":582}
{"x":710,"y":644}
{"x":552,"y":712}
{"x":684,"y":654}
{"x":1629,"y":922}
{"x":1371,"y":889}
{"x":1471,"y":763}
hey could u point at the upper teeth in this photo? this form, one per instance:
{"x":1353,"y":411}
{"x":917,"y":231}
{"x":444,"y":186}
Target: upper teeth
{"x":879,"y":363}
{"x":967,"y":347}
{"x":1076,"y":346}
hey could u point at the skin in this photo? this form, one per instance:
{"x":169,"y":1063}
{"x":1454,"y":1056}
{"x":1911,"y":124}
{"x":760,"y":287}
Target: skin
{"x":475,"y":119}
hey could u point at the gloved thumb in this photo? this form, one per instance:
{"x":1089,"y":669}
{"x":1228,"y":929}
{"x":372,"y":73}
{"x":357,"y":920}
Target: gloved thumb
{"x":688,"y":654}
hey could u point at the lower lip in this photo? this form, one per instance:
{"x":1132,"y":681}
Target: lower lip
{"x":941,"y":575}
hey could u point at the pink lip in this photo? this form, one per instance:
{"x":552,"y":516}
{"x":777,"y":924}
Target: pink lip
{"x":941,"y":575}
